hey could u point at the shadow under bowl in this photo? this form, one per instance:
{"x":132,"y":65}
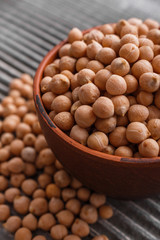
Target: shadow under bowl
{"x":118,"y":177}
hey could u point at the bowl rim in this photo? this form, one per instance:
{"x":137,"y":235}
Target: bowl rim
{"x":51,"y":55}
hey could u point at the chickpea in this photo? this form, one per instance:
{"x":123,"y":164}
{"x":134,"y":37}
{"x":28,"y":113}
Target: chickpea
{"x":120,"y":66}
{"x":89,"y":214}
{"x":78,"y":49}
{"x":72,"y":237}
{"x":58,"y":232}
{"x":129,"y":38}
{"x":4,"y":154}
{"x":81,"y":63}
{"x":144,"y":98}
{"x":149,"y":82}
{"x":154,"y":35}
{"x":68,"y":95}
{"x":88,"y":93}
{"x":156,"y":50}
{"x":3,"y":183}
{"x":62,"y":178}
{"x":103,"y":107}
{"x":67,"y":63}
{"x":38,"y":206}
{"x":124,"y":151}
{"x":135,"y":21}
{"x":101,"y":78}
{"x":95,"y":65}
{"x":21,"y":204}
{"x":75,"y":96}
{"x":130,"y":52}
{"x":52,"y":190}
{"x":84,"y":116}
{"x":30,"y":222}
{"x":40,"y":143}
{"x":80,"y":228}
{"x":17,"y":179}
{"x":97,"y":141}
{"x":16,"y":165}
{"x":28,"y":154}
{"x":11,"y":193}
{"x":23,"y":234}
{"x":146,"y":53}
{"x":106,"y":55}
{"x":85,"y":76}
{"x":29,"y":139}
{"x":97,"y":199}
{"x":39,"y":193}
{"x":79,"y":134}
{"x":129,"y":29}
{"x":83,"y":194}
{"x":65,"y":50}
{"x":51,"y":70}
{"x":14,"y":93}
{"x":109,"y":150}
{"x":111,"y":41}
{"x":68,"y":193}
{"x":100,"y":237}
{"x":142,"y":29}
{"x":121,"y":104}
{"x":138,"y":113}
{"x":50,"y":169}
{"x":159,"y":145}
{"x":61,"y":104}
{"x":156,"y":64}
{"x":29,"y":186}
{"x":74,"y":35}
{"x":146,"y":42}
{"x":74,"y":82}
{"x":92,"y":49}
{"x":39,"y":237}
{"x":30,"y":169}
{"x":74,"y":205}
{"x":116,"y":85}
{"x":153,"y":126}
{"x":22,"y":129}
{"x":46,"y":222}
{"x":55,"y":205}
{"x":137,"y":132}
{"x":2,"y":198}
{"x":44,"y":84}
{"x":94,"y":35}
{"x":65,"y":217}
{"x":118,"y":138}
{"x":151,"y":23}
{"x":64,"y":120}
{"x":17,"y":146}
{"x":107,"y":29}
{"x":9,"y":109}
{"x":106,"y":125}
{"x":105,"y":212}
{"x":52,"y":114}
{"x":157,"y":99}
{"x":132,"y":83}
{"x":7,"y":138}
{"x":75,"y":106}
{"x":12,"y":224}
{"x":154,"y":112}
{"x":119,"y":25}
{"x":149,"y":148}
{"x":75,"y":183}
{"x":31,"y":106}
{"x":140,"y":67}
{"x":58,"y":165}
{"x":59,"y":84}
{"x":6,"y":101}
{"x":44,"y":180}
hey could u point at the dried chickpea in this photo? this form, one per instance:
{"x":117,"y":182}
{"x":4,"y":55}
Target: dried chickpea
{"x":80,"y":228}
{"x":84,"y":116}
{"x":156,"y":50}
{"x":129,"y":38}
{"x":65,"y":217}
{"x":103,"y":107}
{"x":50,"y":170}
{"x":154,"y":35}
{"x":38,"y":206}
{"x":51,"y":70}
{"x":17,"y":146}
{"x":52,"y":190}
{"x":7,"y":138}
{"x":130,"y":52}
{"x":137,"y":132}
{"x":74,"y":82}
{"x":22,"y":129}
{"x":109,"y":150}
{"x":78,"y":49}
{"x":97,"y":199}
{"x":119,"y":25}
{"x":39,"y":193}
{"x":120,"y":66}
{"x":79,"y":134}
{"x":3,"y":183}
{"x":61,"y":104}
{"x":154,"y":112}
{"x":138,"y":113}
{"x":149,"y":148}
{"x":157,"y":99}
{"x":29,"y":139}
{"x":106,"y":55}
{"x":28,"y":154}
{"x":58,"y":232}
{"x":4,"y":212}
{"x":40,"y":143}
{"x":72,"y":237}
{"x":151,"y":23}
{"x":153,"y":126}
{"x":107,"y":29}
{"x":149,"y":82}
{"x":44,"y":84}
{"x":93,"y":35}
{"x":89,"y":214}
{"x":64,"y":120}
{"x":83,"y":194}
{"x":68,"y":193}
{"x":121,"y":105}
{"x":124,"y":151}
{"x":6,"y":101}
{"x":17,"y":179}
{"x":58,"y":165}
{"x":140,"y":67}
{"x":75,"y":96}
{"x":14,"y":93}
{"x":74,"y":205}
{"x":23,"y":234}
{"x":21,"y":204}
{"x":16,"y":165}
{"x":101,"y":78}
{"x":2,"y":198}
{"x":64,"y":50}
{"x":88,"y":93}
{"x":85,"y":76}
{"x":44,"y":180}
{"x":129,"y":29}
{"x":30,"y":169}
{"x":116,"y":85}
{"x":40,"y":237}
{"x":52,"y":114}
{"x":105,"y":212}
{"x":143,"y":41}
{"x":132,"y":83}
{"x":67,"y":63}
{"x":97,"y":141}
{"x":12,"y":224}
{"x":118,"y":138}
{"x":11,"y":193}
{"x":111,"y":41}
{"x":55,"y":205}
{"x":156,"y":64}
{"x":144,"y":98}
{"x":59,"y":84}
{"x":106,"y":125}
{"x":62,"y":178}
{"x":47,"y":99}
{"x":29,"y":186}
{"x":92,"y":49}
{"x":142,"y":29}
{"x":46,"y":222}
{"x":74,"y":35}
{"x":81,"y":63}
{"x":68,"y":95}
{"x":9,"y":124}
{"x":100,"y":237}
{"x":74,"y":107}
{"x":75,"y":183}
{"x":146,"y":53}
{"x":4,"y":154}
{"x":30,"y":222}
{"x":95,"y":65}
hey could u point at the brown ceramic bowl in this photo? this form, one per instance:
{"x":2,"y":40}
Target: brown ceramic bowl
{"x":118,"y":177}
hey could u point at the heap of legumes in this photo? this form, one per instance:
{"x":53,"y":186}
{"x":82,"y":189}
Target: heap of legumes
{"x":35,"y":190}
{"x":103,"y":89}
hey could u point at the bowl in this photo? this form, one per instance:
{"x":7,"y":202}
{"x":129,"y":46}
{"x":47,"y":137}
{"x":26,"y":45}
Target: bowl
{"x":118,"y":177}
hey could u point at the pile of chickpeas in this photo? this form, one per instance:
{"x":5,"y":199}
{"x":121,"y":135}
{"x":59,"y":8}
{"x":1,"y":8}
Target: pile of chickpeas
{"x":103,"y":89}
{"x":36,"y":192}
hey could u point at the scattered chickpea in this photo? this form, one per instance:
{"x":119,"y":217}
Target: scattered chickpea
{"x":16,"y":165}
{"x":105,"y":212}
{"x":65,"y":217}
{"x":97,"y":199}
{"x":55,"y":205}
{"x":39,"y":237}
{"x":46,"y":222}
{"x":80,"y":228}
{"x":4,"y":155}
{"x":74,"y":205}
{"x":62,"y":178}
{"x":17,"y":179}
{"x":38,"y":206}
{"x":83,"y":194}
{"x":12,"y":224}
{"x":11,"y":193}
{"x":58,"y":232}
{"x":72,"y":237}
{"x":29,"y":186}
{"x":89,"y":214}
{"x":21,"y":204}
{"x":68,"y":193}
{"x":40,"y":143}
{"x":30,"y":222}
{"x":2,"y":198}
{"x":52,"y":190}
{"x":100,"y":237}
{"x":4,"y":212}
{"x":29,"y":139}
{"x":23,"y":234}
{"x":44,"y":180}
